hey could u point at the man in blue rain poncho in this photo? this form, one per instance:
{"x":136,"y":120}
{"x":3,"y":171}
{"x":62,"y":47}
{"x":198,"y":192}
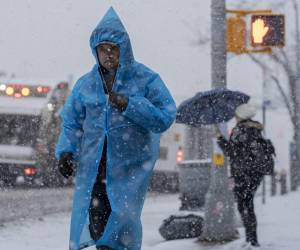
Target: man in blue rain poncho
{"x":111,"y":126}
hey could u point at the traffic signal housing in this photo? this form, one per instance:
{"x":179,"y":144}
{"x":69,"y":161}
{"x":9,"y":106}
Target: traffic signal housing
{"x":267,"y":30}
{"x":236,"y":35}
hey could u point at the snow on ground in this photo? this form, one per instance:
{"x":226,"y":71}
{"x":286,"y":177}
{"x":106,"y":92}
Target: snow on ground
{"x":18,"y":203}
{"x":279,"y":223}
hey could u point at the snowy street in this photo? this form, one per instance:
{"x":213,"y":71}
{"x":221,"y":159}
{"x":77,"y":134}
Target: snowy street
{"x":16,"y":204}
{"x":278,"y":221}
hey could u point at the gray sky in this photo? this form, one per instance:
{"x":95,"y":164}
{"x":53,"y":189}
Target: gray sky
{"x":50,"y":39}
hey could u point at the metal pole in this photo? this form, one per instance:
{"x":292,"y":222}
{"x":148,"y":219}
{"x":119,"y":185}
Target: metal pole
{"x":297,"y":172}
{"x":295,"y":145}
{"x":264,"y":131}
{"x":219,"y":223}
{"x":273,"y":184}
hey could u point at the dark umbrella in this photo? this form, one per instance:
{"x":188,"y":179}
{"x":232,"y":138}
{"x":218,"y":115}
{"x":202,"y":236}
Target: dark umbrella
{"x":210,"y":107}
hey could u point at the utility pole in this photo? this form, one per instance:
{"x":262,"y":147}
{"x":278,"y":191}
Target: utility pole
{"x":297,"y":85}
{"x":219,"y":223}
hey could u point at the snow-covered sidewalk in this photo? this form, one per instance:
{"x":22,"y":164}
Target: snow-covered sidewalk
{"x":279,"y":228}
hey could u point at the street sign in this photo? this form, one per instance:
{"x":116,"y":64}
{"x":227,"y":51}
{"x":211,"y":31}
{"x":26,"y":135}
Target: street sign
{"x":267,"y":30}
{"x":267,"y":103}
{"x":218,"y":158}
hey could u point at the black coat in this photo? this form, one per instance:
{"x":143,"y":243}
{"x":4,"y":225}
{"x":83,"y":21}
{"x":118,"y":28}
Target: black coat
{"x":239,"y":147}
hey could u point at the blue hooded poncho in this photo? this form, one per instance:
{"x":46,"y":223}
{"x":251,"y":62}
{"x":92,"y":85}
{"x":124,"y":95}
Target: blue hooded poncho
{"x":132,"y":140}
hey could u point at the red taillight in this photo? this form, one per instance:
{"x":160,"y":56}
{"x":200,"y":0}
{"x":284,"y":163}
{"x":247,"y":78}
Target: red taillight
{"x":61,"y":86}
{"x":29,"y":171}
{"x":43,"y":89}
{"x":46,"y":90}
{"x":17,"y":95}
{"x":179,"y":155}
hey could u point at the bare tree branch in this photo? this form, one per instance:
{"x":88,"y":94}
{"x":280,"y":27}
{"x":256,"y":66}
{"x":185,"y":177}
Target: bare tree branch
{"x":295,"y":3}
{"x":280,"y":88}
{"x":286,"y":66}
{"x":284,"y":97}
{"x":258,"y":62}
{"x":203,"y":37}
{"x":284,"y":56}
{"x":201,"y":40}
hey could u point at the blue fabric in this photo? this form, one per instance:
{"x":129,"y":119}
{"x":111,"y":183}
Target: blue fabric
{"x":132,"y":140}
{"x":210,"y":107}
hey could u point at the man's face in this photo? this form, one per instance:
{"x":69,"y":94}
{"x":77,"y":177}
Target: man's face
{"x":108,"y":55}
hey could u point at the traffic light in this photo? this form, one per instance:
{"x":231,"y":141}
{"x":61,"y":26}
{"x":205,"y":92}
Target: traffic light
{"x":267,"y":30}
{"x":236,"y":35}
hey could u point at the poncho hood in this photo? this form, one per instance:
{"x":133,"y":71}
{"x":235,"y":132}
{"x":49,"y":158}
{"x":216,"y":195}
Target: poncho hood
{"x":111,"y":29}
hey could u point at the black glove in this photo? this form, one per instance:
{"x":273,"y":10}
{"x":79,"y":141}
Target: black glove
{"x":118,"y":101}
{"x":66,"y":165}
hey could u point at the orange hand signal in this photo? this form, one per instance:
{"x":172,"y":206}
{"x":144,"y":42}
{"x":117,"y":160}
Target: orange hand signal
{"x":259,"y":30}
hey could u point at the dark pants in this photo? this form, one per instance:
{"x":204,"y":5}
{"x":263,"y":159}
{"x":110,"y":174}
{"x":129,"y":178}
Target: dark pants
{"x":244,"y":190}
{"x":100,"y":209}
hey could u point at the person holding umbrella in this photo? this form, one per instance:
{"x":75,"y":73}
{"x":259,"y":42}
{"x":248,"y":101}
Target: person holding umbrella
{"x":243,"y":150}
{"x":111,"y":127}
{"x":250,"y":155}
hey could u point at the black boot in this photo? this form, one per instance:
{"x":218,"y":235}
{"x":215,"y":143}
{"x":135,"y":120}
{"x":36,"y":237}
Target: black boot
{"x":252,"y":238}
{"x":255,"y":244}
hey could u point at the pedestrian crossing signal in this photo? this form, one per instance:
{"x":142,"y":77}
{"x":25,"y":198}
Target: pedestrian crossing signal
{"x":267,"y":30}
